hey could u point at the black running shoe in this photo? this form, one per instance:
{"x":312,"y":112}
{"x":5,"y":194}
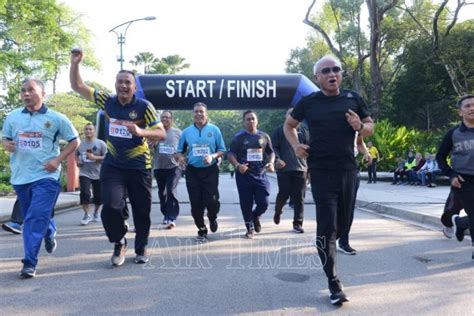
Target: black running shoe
{"x":336,"y":292}
{"x":458,"y":231}
{"x":213,"y":225}
{"x":347,"y":249}
{"x":256,"y":224}
{"x":202,"y":234}
{"x":50,"y":244}
{"x":276,"y":217}
{"x":28,"y":271}
{"x":297,"y":228}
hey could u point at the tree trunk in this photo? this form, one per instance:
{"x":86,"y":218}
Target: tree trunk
{"x":375,"y":72}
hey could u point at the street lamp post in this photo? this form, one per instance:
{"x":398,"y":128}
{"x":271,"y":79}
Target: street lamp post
{"x":121,"y":36}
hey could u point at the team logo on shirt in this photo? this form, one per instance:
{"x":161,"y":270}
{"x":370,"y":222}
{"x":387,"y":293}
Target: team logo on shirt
{"x":47,"y":124}
{"x":133,"y":115}
{"x":209,"y":134}
{"x":260,"y":141}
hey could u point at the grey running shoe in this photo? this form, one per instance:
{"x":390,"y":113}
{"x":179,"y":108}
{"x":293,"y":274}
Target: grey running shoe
{"x":448,"y":232}
{"x":250,"y":234}
{"x":118,"y":257}
{"x":142,"y":258}
{"x":96,"y":217}
{"x":86,"y":219}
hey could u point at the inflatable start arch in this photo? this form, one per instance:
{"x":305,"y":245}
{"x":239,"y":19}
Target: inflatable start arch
{"x":224,"y":92}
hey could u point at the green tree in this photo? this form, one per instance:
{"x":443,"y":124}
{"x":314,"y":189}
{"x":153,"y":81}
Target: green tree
{"x":77,"y":109}
{"x":171,"y":64}
{"x":35,"y":39}
{"x":146,"y":59}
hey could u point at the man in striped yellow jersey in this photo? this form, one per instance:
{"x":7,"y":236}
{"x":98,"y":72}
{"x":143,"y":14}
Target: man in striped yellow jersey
{"x":127,"y":164}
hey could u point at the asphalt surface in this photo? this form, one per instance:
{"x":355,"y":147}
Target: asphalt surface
{"x":400,"y":269}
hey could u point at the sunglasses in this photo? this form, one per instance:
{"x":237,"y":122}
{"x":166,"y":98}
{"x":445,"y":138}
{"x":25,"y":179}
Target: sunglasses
{"x":327,"y":70}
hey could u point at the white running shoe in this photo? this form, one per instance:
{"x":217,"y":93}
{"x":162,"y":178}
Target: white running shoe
{"x":86,"y":219}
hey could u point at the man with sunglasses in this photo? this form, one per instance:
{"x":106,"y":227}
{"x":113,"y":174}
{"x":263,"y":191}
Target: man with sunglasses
{"x":167,"y":172}
{"x":127,"y":164}
{"x":334,"y":116}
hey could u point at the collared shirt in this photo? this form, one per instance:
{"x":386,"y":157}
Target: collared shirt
{"x":165,"y":150}
{"x":374,"y":153}
{"x":125,"y":150}
{"x":37,"y":138}
{"x":201,"y":142}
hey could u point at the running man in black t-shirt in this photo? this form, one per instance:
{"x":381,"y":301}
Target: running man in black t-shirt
{"x":333,"y":117}
{"x":251,"y":154}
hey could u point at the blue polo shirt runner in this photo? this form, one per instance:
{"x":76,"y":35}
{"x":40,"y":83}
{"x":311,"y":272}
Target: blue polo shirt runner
{"x":37,"y":136}
{"x":125,"y":150}
{"x":201,"y":142}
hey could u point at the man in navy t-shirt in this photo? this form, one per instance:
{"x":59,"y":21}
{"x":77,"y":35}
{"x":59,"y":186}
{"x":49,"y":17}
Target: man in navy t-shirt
{"x":251,"y":154}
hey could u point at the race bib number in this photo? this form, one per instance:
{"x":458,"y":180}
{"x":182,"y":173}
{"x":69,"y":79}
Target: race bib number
{"x":255,"y":154}
{"x":30,"y":141}
{"x":166,"y":149}
{"x":201,"y":150}
{"x":117,"y":128}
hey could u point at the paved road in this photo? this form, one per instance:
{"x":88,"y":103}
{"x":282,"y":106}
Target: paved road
{"x":400,"y":269}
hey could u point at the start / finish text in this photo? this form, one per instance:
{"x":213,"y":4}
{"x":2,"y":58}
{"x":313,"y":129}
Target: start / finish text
{"x":224,"y":89}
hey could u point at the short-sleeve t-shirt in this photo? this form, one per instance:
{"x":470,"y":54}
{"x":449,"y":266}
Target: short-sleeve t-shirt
{"x":125,"y":150}
{"x":165,"y":150}
{"x":37,"y":138}
{"x":252,"y":149}
{"x":90,"y":168}
{"x":331,"y":136}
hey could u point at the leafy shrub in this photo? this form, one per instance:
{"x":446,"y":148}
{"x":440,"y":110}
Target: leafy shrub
{"x":393,"y":141}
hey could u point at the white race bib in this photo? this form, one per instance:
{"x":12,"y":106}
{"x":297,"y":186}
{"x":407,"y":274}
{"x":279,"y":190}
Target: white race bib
{"x":254,"y":154}
{"x":201,"y":150}
{"x":166,"y":149}
{"x":118,"y":129}
{"x":30,"y":141}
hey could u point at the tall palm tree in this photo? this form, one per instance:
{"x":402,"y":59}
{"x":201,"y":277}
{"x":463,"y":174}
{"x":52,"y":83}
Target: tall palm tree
{"x":146,"y":59}
{"x":171,"y":64}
